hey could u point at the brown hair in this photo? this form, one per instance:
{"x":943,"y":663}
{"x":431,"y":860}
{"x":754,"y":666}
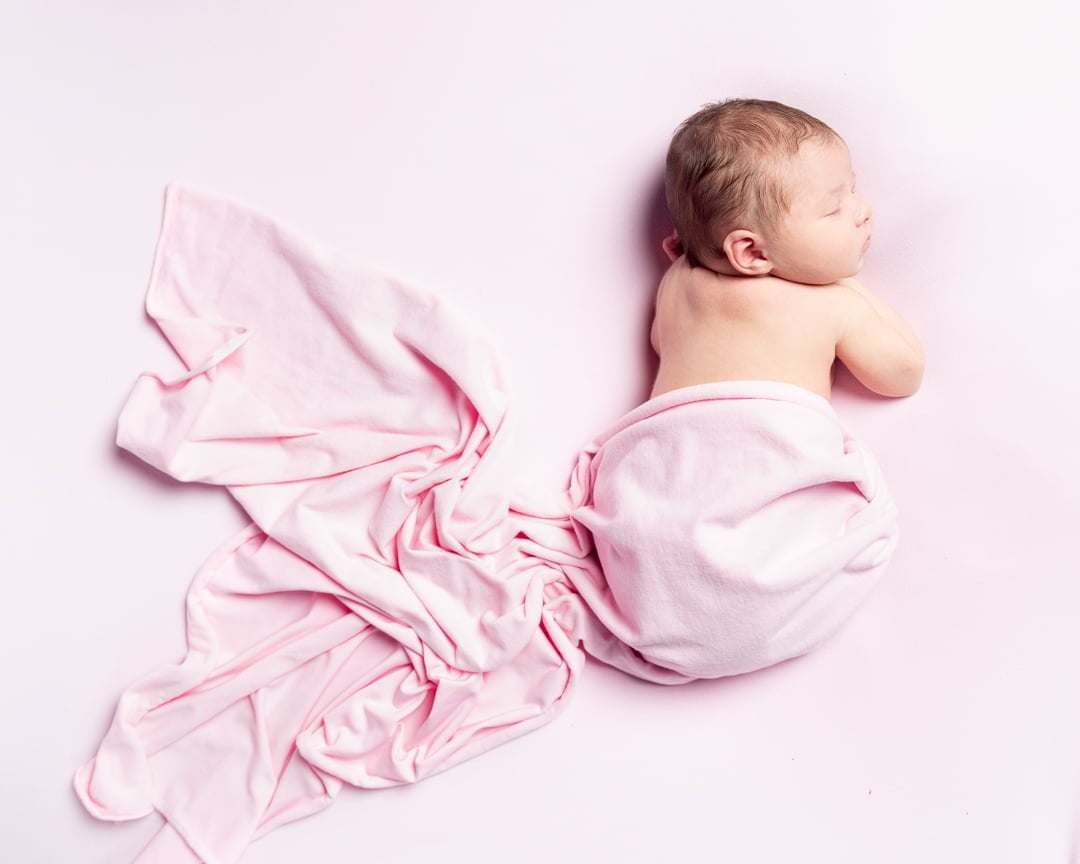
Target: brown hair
{"x":722,"y":170}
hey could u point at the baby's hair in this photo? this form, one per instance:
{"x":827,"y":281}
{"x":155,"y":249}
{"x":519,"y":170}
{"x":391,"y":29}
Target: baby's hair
{"x":723,"y":170}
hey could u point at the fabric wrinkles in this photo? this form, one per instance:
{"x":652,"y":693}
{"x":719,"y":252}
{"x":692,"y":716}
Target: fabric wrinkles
{"x":390,"y":612}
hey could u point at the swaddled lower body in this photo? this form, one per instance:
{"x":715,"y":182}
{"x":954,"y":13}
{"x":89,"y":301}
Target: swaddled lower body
{"x":737,"y":523}
{"x":389,"y":612}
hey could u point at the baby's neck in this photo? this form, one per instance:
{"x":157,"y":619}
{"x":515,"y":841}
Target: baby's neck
{"x":723,"y":268}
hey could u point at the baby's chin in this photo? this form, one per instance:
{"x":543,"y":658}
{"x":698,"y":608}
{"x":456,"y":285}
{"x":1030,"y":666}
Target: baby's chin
{"x":819,"y":278}
{"x":853,"y":270}
{"x":823,"y":270}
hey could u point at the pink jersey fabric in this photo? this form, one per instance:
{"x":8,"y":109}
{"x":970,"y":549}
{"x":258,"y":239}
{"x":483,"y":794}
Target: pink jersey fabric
{"x":390,"y":612}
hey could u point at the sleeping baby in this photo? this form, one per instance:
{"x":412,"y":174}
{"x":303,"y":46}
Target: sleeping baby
{"x":769,"y":234}
{"x":737,"y":520}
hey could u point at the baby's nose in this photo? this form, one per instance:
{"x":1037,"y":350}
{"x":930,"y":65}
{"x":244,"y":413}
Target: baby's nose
{"x":864,"y":215}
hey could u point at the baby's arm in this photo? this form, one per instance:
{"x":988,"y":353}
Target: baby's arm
{"x":877,"y":345}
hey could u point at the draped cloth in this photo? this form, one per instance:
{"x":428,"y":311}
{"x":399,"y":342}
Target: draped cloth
{"x":390,"y":611}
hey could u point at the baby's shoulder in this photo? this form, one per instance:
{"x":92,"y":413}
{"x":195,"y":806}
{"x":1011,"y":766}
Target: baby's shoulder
{"x":825,"y":307}
{"x":827,"y":297}
{"x":841,"y":300}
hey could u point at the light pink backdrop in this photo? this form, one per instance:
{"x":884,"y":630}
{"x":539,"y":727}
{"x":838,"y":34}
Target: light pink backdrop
{"x":509,"y":157}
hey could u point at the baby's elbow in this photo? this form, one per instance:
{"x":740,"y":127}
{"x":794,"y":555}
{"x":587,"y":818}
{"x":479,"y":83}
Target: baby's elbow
{"x":909,"y":376}
{"x":900,"y":377}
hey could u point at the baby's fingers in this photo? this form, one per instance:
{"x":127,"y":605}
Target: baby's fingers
{"x":672,"y":246}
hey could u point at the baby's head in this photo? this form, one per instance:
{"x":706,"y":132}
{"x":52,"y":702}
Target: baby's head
{"x":755,"y":187}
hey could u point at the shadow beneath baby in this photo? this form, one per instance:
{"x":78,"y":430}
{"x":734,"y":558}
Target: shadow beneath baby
{"x":656,"y":225}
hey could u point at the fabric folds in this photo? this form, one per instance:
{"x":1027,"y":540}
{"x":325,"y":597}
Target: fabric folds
{"x":389,"y":612}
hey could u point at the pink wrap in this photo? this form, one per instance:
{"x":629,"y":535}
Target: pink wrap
{"x":389,"y":613}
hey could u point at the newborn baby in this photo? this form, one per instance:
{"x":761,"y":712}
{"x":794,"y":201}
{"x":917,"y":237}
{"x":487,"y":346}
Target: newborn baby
{"x":769,"y":233}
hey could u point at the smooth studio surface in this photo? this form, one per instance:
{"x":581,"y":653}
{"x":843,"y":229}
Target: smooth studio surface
{"x":509,"y":159}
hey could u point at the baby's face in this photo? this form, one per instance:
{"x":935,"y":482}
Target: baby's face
{"x":827,"y":231}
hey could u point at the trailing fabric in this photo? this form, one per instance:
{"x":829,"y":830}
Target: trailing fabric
{"x":390,"y":612}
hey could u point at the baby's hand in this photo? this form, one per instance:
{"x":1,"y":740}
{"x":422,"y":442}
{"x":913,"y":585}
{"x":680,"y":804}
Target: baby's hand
{"x":672,"y":245}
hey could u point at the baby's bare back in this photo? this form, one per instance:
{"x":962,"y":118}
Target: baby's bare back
{"x":750,"y":328}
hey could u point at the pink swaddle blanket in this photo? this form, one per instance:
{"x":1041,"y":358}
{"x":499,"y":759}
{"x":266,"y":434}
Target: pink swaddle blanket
{"x":389,"y":612}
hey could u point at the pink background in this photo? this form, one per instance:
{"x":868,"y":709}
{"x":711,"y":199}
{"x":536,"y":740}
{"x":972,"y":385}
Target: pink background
{"x":509,"y":156}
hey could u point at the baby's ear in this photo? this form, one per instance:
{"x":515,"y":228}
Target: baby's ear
{"x":672,"y":246}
